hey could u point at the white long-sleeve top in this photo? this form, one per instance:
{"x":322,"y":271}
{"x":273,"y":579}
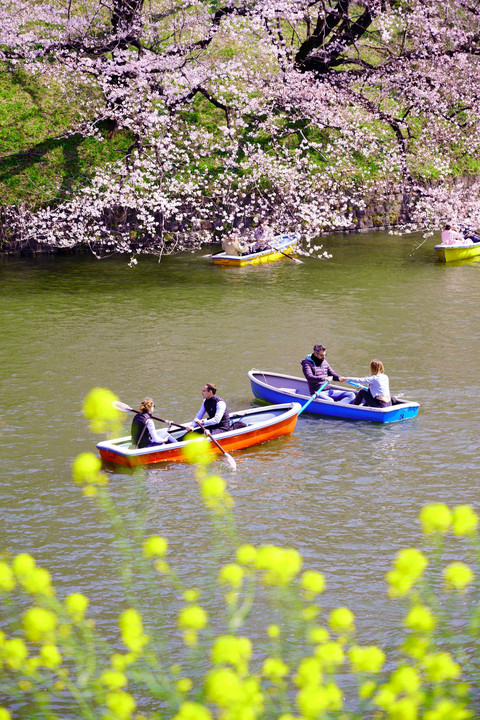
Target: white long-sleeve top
{"x":221,"y":407}
{"x":156,"y":435}
{"x":378,"y":385}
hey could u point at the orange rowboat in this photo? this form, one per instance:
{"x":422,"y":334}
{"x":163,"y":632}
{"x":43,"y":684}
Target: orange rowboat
{"x":261,"y":425}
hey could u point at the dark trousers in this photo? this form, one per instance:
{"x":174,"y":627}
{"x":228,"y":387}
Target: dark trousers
{"x":365,"y":397}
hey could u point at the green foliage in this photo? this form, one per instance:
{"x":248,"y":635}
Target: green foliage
{"x":42,"y":159}
{"x":52,"y":656}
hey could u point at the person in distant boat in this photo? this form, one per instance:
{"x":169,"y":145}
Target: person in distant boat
{"x":317,"y":371}
{"x":470,"y":235}
{"x":232,"y":245}
{"x":263,"y":236}
{"x":218,"y":419}
{"x":377,"y":392}
{"x":144,"y":432}
{"x":450,"y":236}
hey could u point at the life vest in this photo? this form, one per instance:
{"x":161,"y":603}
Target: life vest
{"x":210,"y":405}
{"x":140,"y":435}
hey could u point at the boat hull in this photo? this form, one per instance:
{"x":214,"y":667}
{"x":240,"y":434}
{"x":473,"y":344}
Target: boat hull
{"x":262,"y":425}
{"x":451,"y":253}
{"x":275,"y":387}
{"x":286,"y":243}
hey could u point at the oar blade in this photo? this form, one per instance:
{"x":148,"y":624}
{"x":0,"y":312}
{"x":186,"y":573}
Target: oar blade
{"x":231,"y":461}
{"x":122,"y":406}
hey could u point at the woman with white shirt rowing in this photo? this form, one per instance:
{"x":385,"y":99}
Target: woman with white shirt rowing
{"x":377,"y":392}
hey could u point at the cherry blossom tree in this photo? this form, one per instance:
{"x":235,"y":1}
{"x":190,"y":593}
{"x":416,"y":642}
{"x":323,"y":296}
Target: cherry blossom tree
{"x":291,"y":111}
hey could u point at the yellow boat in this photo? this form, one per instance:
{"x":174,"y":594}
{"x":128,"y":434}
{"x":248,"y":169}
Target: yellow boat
{"x":450,"y":253}
{"x":281,"y":246}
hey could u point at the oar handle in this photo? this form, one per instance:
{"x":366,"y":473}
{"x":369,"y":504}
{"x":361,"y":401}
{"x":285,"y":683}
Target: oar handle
{"x":315,"y":394}
{"x":127,"y":408}
{"x":356,"y":384}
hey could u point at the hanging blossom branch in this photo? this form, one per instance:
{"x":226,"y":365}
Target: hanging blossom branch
{"x":361,"y":94}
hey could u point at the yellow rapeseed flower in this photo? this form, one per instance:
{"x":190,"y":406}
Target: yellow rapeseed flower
{"x":38,"y":582}
{"x":14,"y":652}
{"x":7,"y":579}
{"x":406,"y":680}
{"x":405,"y":708}
{"x":440,"y":667}
{"x":436,"y":517}
{"x":399,"y":584}
{"x":367,"y":689}
{"x":86,"y":470}
{"x":50,"y":656}
{"x":420,"y":618}
{"x":384,"y":698}
{"x":121,"y":704}
{"x":39,"y":624}
{"x":246,"y":554}
{"x":114,"y":679}
{"x":309,"y":672}
{"x":341,"y":619}
{"x":223,"y":687}
{"x":314,"y":700}
{"x":192,"y":617}
{"x":23,"y":564}
{"x":458,"y":575}
{"x":4,"y":714}
{"x":465,"y":520}
{"x":192,"y":711}
{"x":318,"y":634}
{"x":411,"y":562}
{"x":273,"y":631}
{"x":232,"y":650}
{"x":198,"y":452}
{"x":331,"y":654}
{"x":155,"y":546}
{"x":280,"y":565}
{"x":275,"y":669}
{"x":369,"y":658}
{"x":415,"y":646}
{"x":98,"y":409}
{"x":191,"y":595}
{"x":448,"y":710}
{"x":312,"y":582}
{"x":131,"y":628}
{"x":184,"y":685}
{"x":231,"y":574}
{"x":76,"y":605}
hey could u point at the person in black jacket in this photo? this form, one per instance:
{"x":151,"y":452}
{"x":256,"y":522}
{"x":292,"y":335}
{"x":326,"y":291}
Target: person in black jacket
{"x":317,"y":371}
{"x":144,"y":432}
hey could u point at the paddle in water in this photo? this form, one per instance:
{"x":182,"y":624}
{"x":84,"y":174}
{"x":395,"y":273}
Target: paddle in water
{"x":228,"y":457}
{"x":315,"y":394}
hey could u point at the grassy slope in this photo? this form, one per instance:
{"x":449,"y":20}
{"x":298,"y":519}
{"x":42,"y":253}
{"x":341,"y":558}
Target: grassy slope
{"x":39,"y":163}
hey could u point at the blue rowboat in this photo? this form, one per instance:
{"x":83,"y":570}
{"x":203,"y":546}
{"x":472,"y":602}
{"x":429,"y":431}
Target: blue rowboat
{"x":280,"y":246}
{"x":276,"y":388}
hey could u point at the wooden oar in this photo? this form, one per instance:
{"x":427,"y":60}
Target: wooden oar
{"x":295,"y":260}
{"x":315,"y":394}
{"x":126,"y":408}
{"x":228,"y":457}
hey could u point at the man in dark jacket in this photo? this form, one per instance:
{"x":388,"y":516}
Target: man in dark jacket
{"x":218,"y":419}
{"x":317,"y":371}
